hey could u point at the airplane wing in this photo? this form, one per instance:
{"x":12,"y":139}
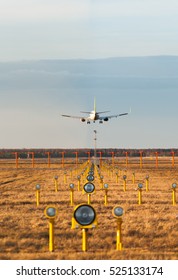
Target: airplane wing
{"x":73,"y":117}
{"x":113,"y":116}
{"x":83,"y":119}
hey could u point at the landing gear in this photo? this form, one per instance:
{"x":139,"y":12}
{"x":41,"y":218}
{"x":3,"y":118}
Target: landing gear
{"x":88,"y":122}
{"x":100,"y":121}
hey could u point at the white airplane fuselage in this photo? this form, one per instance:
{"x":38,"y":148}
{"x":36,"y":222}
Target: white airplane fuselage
{"x":93,"y":116}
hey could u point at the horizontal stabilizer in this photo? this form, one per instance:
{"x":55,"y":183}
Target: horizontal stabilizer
{"x":103,"y":112}
{"x":85,"y":112}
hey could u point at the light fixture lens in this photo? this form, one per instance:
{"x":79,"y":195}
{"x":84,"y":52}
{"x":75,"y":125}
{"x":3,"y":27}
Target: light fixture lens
{"x":85,"y":215}
{"x":89,"y":188}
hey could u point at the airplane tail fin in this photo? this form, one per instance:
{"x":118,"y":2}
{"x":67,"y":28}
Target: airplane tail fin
{"x":95,"y":104}
{"x":92,"y":111}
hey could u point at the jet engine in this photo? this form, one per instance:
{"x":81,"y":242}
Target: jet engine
{"x":106,"y":119}
{"x":82,"y":120}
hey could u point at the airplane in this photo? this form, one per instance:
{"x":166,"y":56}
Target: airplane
{"x":95,"y":116}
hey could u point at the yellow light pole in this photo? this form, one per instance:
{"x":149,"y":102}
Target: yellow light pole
{"x":51,"y":213}
{"x":106,"y":194}
{"x":71,"y":186}
{"x":133,"y":177}
{"x":84,"y":239}
{"x":117,"y":213}
{"x":124,"y":182}
{"x":174,"y":185}
{"x":101,"y":181}
{"x":117,"y":178}
{"x":147,"y":183}
{"x":119,"y":237}
{"x":89,"y":199}
{"x":84,"y":217}
{"x":37,"y":195}
{"x":140,"y":186}
{"x":79,"y":178}
{"x":71,"y":174}
{"x":65,"y":178}
{"x":56,"y":183}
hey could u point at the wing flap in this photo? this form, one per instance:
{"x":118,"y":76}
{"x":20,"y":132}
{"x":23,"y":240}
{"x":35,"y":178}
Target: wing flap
{"x":73,"y":117}
{"x":113,"y":116}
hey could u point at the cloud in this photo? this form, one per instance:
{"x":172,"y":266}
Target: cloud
{"x":53,"y":10}
{"x":25,"y":10}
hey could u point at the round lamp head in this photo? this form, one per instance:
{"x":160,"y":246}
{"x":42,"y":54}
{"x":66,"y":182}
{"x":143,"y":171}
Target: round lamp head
{"x":124,"y":177}
{"x":71,"y":186}
{"x":37,"y":187}
{"x":174,"y":185}
{"x":117,"y":211}
{"x":55,"y":177}
{"x":90,"y":178}
{"x":106,"y":186}
{"x":89,"y":188}
{"x":140,"y":185}
{"x":85,"y":215}
{"x":50,"y":212}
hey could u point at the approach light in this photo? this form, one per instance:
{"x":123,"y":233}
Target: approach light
{"x":117,"y":211}
{"x":89,"y":188}
{"x":90,"y":178}
{"x":84,"y":215}
{"x":50,"y":212}
{"x":140,"y":185}
{"x":105,"y":186}
{"x":71,"y":186}
{"x":37,"y":187}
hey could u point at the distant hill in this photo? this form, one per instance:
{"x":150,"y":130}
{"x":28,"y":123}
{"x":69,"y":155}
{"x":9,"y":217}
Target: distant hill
{"x":125,"y":72}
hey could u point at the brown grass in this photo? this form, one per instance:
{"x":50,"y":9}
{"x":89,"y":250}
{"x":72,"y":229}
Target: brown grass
{"x":149,"y":231}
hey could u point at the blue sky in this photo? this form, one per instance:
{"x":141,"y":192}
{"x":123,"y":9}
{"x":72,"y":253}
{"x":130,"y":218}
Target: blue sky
{"x":68,"y":29}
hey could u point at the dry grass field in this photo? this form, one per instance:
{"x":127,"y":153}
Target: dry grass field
{"x":149,"y":230}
